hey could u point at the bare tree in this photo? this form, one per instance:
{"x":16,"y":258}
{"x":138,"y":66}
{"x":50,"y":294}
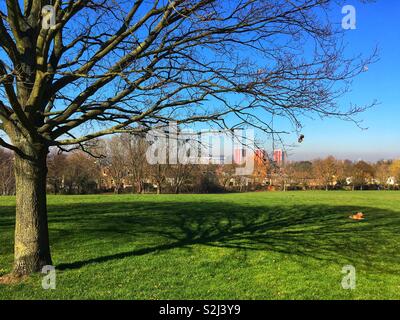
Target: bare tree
{"x":110,"y":66}
{"x":82,"y":173}
{"x":395,"y":170}
{"x":115,"y":162}
{"x":363,"y":172}
{"x":180,"y":175}
{"x":226,"y":175}
{"x":326,"y":171}
{"x":57,"y":165}
{"x":383,"y":173}
{"x":300,"y":173}
{"x":7,"y":181}
{"x":158,"y":174}
{"x":135,"y":148}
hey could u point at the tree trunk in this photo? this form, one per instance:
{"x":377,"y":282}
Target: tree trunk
{"x":32,"y":250}
{"x":158,"y":188}
{"x":139,"y":188}
{"x":117,"y":188}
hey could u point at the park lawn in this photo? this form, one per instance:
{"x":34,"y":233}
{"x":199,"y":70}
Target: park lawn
{"x":233,"y":246}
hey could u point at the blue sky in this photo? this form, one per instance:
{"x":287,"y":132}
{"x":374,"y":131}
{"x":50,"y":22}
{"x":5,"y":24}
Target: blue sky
{"x":378,"y":24}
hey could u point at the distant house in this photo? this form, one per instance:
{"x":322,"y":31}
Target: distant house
{"x":391,"y":181}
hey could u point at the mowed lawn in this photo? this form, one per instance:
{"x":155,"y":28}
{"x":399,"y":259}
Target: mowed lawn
{"x":233,"y":246}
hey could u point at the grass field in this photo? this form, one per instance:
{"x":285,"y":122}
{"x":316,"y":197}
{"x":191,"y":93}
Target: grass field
{"x":231,"y":246}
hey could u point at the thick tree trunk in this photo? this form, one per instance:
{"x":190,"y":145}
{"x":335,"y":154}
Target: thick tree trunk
{"x":32,"y":250}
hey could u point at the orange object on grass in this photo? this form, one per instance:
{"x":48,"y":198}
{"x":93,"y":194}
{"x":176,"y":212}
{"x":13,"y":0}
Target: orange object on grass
{"x":357,"y":216}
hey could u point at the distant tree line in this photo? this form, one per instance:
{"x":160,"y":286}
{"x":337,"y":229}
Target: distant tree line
{"x":333,"y":174}
{"x":119,"y":165}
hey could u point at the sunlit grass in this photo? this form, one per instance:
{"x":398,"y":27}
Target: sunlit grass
{"x":233,"y":246}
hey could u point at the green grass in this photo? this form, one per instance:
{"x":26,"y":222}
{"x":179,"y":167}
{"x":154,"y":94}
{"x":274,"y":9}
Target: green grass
{"x":232,"y":246}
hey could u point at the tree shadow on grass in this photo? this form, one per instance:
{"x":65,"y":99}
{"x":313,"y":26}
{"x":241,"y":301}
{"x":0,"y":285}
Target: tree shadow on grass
{"x":7,"y":216}
{"x":318,"y":231}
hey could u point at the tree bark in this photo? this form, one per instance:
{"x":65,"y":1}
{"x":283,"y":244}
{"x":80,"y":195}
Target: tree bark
{"x":32,"y":250}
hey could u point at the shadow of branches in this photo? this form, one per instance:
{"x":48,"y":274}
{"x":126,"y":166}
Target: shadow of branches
{"x":317,"y":231}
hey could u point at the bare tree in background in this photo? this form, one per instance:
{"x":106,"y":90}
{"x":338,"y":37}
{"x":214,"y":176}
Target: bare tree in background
{"x":326,"y":171}
{"x":57,"y":166}
{"x":226,"y":175}
{"x":126,"y":66}
{"x":395,"y":171}
{"x":158,"y":174}
{"x":7,"y":181}
{"x":82,"y":174}
{"x":383,"y":173}
{"x":115,"y":163}
{"x":179,"y":175}
{"x":135,"y":147}
{"x":363,"y":172}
